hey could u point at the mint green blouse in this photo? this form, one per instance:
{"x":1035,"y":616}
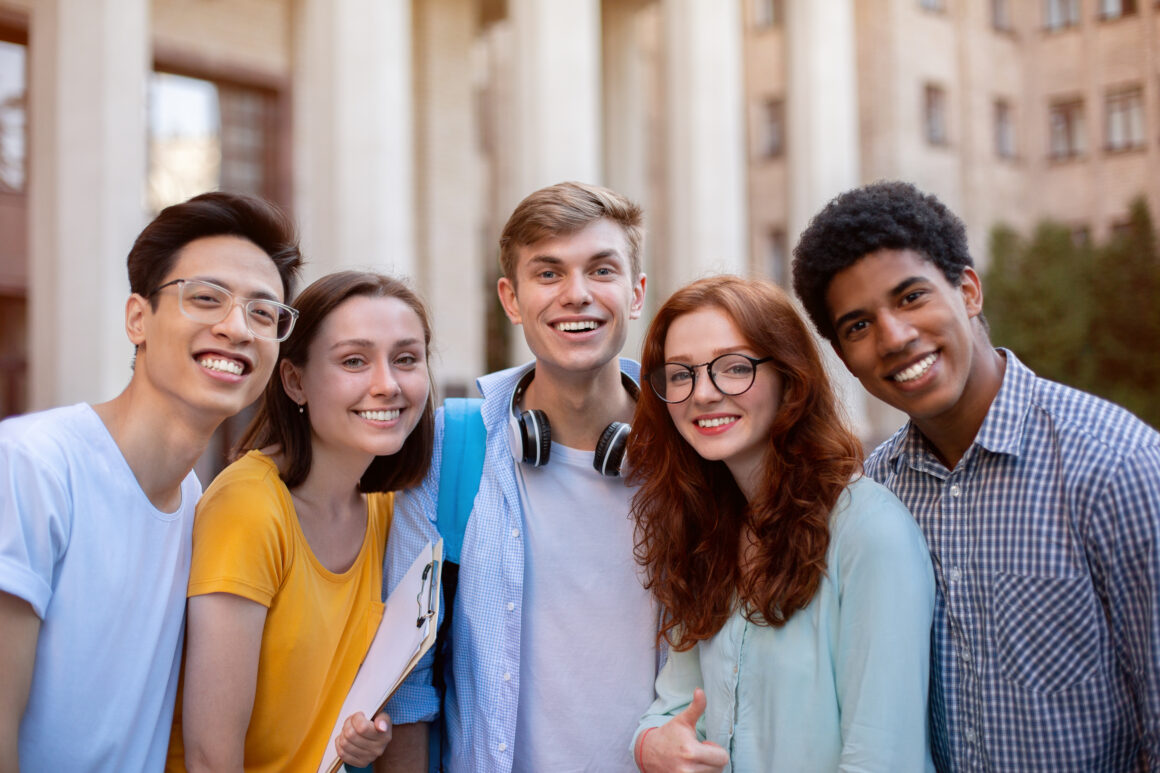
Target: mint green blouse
{"x":842,"y":686}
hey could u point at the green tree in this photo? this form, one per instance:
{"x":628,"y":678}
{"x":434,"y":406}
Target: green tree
{"x":1085,"y":316}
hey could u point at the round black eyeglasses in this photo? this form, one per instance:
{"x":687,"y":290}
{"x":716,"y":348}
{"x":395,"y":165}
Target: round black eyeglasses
{"x":732,"y":374}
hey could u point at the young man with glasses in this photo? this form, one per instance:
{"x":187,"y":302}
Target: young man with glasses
{"x":553,"y":638}
{"x":97,"y":501}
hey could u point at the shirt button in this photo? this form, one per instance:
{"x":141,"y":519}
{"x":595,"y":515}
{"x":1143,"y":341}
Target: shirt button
{"x":511,"y":606}
{"x":969,"y":735}
{"x":955,"y":490}
{"x":515,"y":532}
{"x":502,"y":747}
{"x":507,"y":676}
{"x":955,"y":574}
{"x":966,"y":656}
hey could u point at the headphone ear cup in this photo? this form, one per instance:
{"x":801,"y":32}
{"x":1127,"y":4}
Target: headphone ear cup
{"x":535,"y":437}
{"x":610,"y":448}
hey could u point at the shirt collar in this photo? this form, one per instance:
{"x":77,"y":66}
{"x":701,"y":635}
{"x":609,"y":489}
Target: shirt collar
{"x":1002,"y":429}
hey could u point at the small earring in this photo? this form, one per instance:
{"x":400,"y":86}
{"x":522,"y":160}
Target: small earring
{"x":301,"y":409}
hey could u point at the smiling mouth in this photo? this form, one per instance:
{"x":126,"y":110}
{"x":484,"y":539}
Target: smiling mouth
{"x":916,"y":370}
{"x":719,"y":421}
{"x":222,"y":365}
{"x":577,"y":327}
{"x":380,"y":415}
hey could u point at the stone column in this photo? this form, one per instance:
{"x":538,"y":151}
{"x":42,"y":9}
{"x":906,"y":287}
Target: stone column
{"x":451,"y":261}
{"x":89,"y":63}
{"x":705,"y":185}
{"x":353,"y":138}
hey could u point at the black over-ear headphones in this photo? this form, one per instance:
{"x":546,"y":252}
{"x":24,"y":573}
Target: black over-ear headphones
{"x":535,"y":432}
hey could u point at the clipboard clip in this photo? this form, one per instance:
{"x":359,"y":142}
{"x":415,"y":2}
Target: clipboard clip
{"x":429,"y":581}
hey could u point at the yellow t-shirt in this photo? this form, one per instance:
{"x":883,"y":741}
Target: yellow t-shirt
{"x":247,"y":541}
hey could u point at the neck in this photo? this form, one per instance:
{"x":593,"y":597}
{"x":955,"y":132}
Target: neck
{"x":952,"y":434}
{"x":159,"y":444}
{"x":580,"y":406}
{"x":331,"y":486}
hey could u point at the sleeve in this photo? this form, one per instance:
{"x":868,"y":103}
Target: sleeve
{"x":412,"y":527}
{"x":679,"y":677}
{"x":35,"y":525}
{"x":1126,"y":573}
{"x":242,"y":543}
{"x":886,"y":586}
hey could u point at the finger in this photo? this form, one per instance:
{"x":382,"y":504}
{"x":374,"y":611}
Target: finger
{"x":382,"y":723}
{"x":694,"y":710}
{"x":713,"y":754}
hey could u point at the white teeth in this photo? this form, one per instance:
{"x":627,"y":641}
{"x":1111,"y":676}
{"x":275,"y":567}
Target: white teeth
{"x":570,"y":327}
{"x":917,"y":369}
{"x":223,"y":366}
{"x":380,"y":415}
{"x":720,"y":421}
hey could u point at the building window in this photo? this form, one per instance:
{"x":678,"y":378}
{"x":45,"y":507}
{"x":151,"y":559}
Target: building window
{"x":1114,"y":9}
{"x":771,"y":131}
{"x":1066,"y":120}
{"x":206,"y":135}
{"x":768,"y":13}
{"x":934,"y":113}
{"x":1058,"y":14}
{"x":13,"y":116}
{"x":933,"y":5}
{"x":1004,"y":129}
{"x":1125,"y":119}
{"x":777,"y":256}
{"x":1001,"y":15}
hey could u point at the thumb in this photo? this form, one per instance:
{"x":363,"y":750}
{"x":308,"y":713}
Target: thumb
{"x":694,"y":710}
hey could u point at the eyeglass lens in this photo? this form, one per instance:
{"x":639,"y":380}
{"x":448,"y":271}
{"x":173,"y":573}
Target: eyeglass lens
{"x":732,"y":374}
{"x":209,"y":304}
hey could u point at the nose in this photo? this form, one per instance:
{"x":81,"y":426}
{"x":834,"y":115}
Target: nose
{"x":704,"y":390}
{"x":894,"y":333}
{"x":234,"y":326}
{"x":576,"y":291}
{"x":383,"y":380}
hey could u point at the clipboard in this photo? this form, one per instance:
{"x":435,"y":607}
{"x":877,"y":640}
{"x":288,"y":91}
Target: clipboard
{"x":406,"y":632}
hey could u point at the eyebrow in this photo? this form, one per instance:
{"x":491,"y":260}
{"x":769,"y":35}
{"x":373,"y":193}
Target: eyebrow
{"x":553,"y":260}
{"x":894,"y":292}
{"x":734,"y":349}
{"x":366,"y":343}
{"x":260,"y":295}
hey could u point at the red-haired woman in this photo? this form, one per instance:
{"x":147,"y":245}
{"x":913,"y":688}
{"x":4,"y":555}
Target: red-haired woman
{"x":798,"y":594}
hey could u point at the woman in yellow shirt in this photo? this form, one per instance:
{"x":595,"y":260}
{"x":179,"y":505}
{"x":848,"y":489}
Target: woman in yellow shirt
{"x":284,"y":591}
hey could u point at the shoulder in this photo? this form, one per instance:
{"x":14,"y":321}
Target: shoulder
{"x":1078,"y":415}
{"x":247,"y":492}
{"x":869,"y":514}
{"x":55,"y":435}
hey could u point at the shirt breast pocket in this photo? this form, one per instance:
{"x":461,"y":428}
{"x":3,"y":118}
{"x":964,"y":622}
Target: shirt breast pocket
{"x":1048,"y":630}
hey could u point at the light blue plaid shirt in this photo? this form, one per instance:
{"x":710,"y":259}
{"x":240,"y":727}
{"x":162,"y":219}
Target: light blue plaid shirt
{"x":1045,"y":539}
{"x":484,"y":686}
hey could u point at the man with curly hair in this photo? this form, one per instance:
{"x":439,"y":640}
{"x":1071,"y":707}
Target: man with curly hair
{"x":1040,"y":503}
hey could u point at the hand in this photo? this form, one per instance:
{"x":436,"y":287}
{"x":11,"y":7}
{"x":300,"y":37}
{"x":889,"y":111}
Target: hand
{"x":674,"y":746}
{"x":361,"y":741}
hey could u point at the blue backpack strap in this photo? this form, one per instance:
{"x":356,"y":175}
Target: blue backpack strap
{"x":464,"y":439}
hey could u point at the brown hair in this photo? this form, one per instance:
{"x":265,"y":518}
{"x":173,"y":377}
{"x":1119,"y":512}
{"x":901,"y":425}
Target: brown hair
{"x":565,"y":208}
{"x":278,"y":421}
{"x":689,"y":512}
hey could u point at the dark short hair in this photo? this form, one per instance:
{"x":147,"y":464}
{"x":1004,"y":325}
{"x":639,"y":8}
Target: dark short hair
{"x":213,"y":214}
{"x":884,"y":215}
{"x":279,"y":422}
{"x":563,"y":209}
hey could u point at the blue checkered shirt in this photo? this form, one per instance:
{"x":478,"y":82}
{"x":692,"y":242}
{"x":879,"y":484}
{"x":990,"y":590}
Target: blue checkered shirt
{"x":484,"y":685}
{"x":1045,"y":539}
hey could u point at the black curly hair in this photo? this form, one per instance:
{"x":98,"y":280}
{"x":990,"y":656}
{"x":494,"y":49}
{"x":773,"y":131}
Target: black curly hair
{"x":883,"y":215}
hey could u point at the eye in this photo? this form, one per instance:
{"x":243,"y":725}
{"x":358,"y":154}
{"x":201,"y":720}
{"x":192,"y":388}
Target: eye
{"x":407,"y":361}
{"x":855,"y":328}
{"x":547,"y":274}
{"x":267,"y":315}
{"x":912,"y":296}
{"x":353,"y":362}
{"x":604,"y":271}
{"x":679,"y":375}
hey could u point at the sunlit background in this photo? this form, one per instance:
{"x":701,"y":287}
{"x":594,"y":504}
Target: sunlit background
{"x":401,"y":133}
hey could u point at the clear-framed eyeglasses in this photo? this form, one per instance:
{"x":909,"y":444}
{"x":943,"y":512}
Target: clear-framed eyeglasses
{"x":209,"y":304}
{"x":732,"y":374}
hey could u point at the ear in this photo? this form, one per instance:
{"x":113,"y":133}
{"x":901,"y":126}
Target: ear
{"x":507,"y":298}
{"x":291,"y":377}
{"x":971,"y":288}
{"x":634,"y":311}
{"x":136,"y":309}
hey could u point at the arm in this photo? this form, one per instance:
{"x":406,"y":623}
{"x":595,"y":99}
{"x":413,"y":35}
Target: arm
{"x":1125,"y":545}
{"x":223,"y":639}
{"x":407,"y":752}
{"x":19,"y":631}
{"x":673,"y":743}
{"x":882,"y":661}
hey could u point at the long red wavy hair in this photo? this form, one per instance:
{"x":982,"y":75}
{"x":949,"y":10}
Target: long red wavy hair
{"x":689,"y":512}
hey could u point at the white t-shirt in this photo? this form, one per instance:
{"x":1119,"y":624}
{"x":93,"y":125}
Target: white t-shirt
{"x":106,"y":572}
{"x":588,"y":655}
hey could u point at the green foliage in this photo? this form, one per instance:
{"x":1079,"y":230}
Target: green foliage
{"x":1082,"y":315}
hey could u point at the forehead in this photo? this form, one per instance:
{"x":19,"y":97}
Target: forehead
{"x":377,"y":319}
{"x":701,"y":334}
{"x":600,"y":238}
{"x":233,"y":262}
{"x":877,"y":276}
